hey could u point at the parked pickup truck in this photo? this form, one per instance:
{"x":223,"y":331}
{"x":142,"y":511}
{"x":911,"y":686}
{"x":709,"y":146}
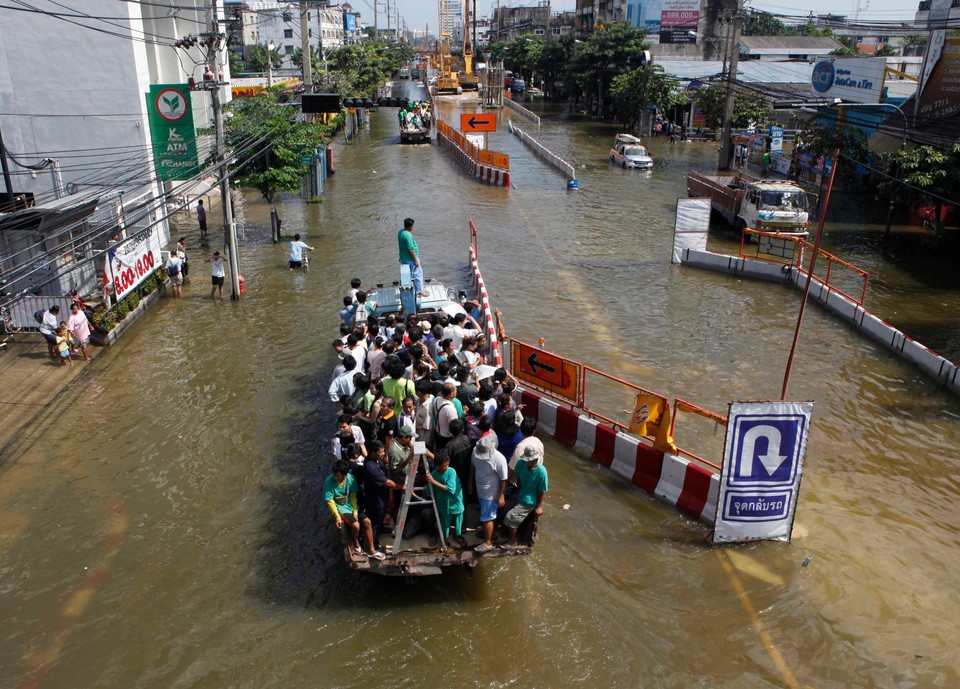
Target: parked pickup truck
{"x":744,"y":201}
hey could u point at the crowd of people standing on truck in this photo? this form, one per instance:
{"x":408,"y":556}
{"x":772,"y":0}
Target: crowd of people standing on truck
{"x":416,"y":114}
{"x":423,"y":379}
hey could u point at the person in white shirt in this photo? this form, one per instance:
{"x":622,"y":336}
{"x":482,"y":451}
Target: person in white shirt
{"x":217,"y":273}
{"x":296,"y":252}
{"x":48,"y":328}
{"x":354,"y":288}
{"x":343,"y":384}
{"x":175,"y":271}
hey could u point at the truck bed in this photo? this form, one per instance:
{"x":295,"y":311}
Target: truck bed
{"x":724,"y":198}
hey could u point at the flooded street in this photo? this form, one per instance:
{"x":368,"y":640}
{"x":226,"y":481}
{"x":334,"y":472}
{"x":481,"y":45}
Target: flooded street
{"x":163,"y":527}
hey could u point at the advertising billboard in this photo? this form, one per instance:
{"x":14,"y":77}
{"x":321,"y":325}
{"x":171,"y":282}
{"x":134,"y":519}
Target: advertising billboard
{"x":940,"y":94}
{"x":679,"y":20}
{"x":172,"y":133}
{"x":852,"y":79}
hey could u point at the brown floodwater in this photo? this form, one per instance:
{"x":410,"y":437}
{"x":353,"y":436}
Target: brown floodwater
{"x":164,"y":527}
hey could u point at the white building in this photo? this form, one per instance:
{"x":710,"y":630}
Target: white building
{"x":81,"y":101}
{"x":279,"y":23}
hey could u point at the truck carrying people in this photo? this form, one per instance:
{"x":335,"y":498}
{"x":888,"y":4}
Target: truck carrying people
{"x":433,"y":463}
{"x":415,"y":121}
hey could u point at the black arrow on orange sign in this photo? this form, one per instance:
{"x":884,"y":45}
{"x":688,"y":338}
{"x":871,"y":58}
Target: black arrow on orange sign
{"x":472,"y":122}
{"x":534,"y":364}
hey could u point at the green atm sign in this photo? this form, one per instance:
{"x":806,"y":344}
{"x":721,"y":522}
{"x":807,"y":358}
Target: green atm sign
{"x":172,"y":133}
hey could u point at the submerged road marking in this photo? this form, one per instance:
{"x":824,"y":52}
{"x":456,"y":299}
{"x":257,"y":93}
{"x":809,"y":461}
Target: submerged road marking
{"x":748,"y":565}
{"x":601,"y":327}
{"x":41,"y":661}
{"x":765,"y":637}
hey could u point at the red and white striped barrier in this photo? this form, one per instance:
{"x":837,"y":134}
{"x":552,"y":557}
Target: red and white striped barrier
{"x":486,"y":173}
{"x":493,"y":175}
{"x":675,"y":480}
{"x":481,"y":289}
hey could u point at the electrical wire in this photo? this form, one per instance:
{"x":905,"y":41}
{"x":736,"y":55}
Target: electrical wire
{"x":146,"y":209}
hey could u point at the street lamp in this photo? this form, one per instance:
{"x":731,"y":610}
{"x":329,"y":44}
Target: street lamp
{"x":903,"y":142}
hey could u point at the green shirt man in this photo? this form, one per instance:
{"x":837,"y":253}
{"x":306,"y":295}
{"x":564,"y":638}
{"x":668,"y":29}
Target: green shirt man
{"x":410,"y":255}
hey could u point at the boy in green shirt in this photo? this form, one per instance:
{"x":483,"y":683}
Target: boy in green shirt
{"x":448,"y":494}
{"x":340,"y":494}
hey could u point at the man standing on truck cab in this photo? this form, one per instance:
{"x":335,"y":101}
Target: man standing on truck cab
{"x":410,"y":255}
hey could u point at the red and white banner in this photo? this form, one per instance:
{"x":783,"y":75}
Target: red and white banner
{"x":132,"y":261}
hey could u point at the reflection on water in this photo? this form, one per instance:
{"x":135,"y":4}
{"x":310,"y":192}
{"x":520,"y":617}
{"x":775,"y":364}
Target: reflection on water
{"x":208,"y":427}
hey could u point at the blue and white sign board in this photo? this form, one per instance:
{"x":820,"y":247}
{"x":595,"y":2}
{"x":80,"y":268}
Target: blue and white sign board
{"x":776,"y":139}
{"x":762,"y":466}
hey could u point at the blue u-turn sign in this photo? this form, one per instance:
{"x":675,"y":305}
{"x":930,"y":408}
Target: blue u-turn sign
{"x":763,"y":461}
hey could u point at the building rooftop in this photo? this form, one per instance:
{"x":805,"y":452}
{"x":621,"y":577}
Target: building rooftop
{"x":769,"y":45}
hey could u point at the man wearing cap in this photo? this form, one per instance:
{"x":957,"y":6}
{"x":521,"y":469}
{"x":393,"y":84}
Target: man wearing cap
{"x":532,"y":476}
{"x":489,"y":474}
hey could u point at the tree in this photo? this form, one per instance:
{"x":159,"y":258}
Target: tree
{"x":550,"y":59}
{"x":747,"y":108}
{"x":316,"y":64}
{"x":640,"y":88}
{"x":823,"y":139}
{"x":257,"y":60}
{"x":887,"y":51}
{"x":758,"y":23}
{"x":262,"y":116}
{"x":236,"y":63}
{"x":606,"y":53}
{"x":848,"y":47}
{"x":935,"y":171}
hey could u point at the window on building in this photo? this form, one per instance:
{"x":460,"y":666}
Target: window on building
{"x":310,"y":33}
{"x":288,"y":33}
{"x":538,"y":32}
{"x":288,"y":49}
{"x":555,"y":30}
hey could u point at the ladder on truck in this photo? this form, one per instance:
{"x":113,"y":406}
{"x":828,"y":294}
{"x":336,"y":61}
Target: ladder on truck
{"x":417,"y":495}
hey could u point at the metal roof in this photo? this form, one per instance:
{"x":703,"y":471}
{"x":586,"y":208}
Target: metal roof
{"x":806,"y":45}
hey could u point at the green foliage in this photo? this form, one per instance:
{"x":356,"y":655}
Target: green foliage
{"x":122,"y":309}
{"x":759,"y":23}
{"x":747,"y":108}
{"x":824,"y":140}
{"x":936,"y":171}
{"x":279,"y":170}
{"x":133,"y":301}
{"x":236,"y":63}
{"x":104,"y":320}
{"x":606,"y":53}
{"x":914,"y":40}
{"x":887,"y":51}
{"x":849,"y":48}
{"x":642,"y":87}
{"x":257,"y":61}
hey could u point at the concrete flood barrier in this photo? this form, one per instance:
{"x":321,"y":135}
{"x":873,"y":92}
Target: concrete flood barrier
{"x":942,"y":370}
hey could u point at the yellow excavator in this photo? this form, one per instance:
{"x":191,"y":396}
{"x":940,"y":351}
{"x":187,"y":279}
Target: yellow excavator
{"x":447,"y":80}
{"x":468,"y":79}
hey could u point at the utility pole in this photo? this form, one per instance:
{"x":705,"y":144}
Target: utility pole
{"x":376,"y":14}
{"x":388,"y":17}
{"x":6,"y":175}
{"x":305,"y":49}
{"x":733,"y":48}
{"x":269,"y":65}
{"x":229,"y":229}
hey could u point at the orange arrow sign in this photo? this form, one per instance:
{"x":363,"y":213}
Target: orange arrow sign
{"x":478,"y":122}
